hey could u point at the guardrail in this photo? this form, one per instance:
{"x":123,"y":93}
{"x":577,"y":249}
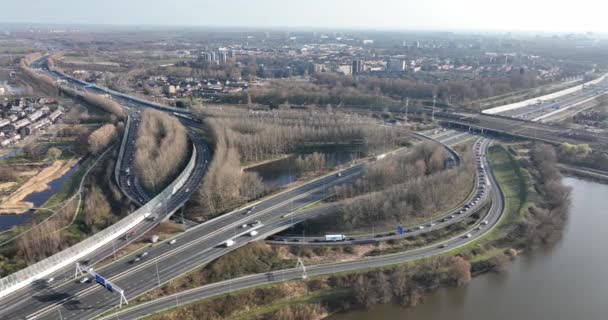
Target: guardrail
{"x":37,"y":271}
{"x":121,"y":153}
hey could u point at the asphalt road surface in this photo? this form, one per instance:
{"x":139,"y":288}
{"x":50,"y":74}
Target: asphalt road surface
{"x":475,"y":232}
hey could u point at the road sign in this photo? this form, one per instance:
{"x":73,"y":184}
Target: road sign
{"x":99,"y":279}
{"x":109,"y":286}
{"x":399,"y":229}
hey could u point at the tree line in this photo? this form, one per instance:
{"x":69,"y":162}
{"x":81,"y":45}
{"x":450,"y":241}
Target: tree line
{"x":161,"y":149}
{"x":545,"y":222}
{"x":101,"y":138}
{"x":327,"y":88}
{"x":105,"y":104}
{"x":405,"y":285}
{"x":403,"y":188}
{"x":262,"y":135}
{"x":46,"y":83}
{"x":242,"y":136}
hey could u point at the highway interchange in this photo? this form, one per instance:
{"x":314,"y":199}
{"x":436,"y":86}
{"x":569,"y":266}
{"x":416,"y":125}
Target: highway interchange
{"x":84,"y":301}
{"x":474,"y":202}
{"x":142,"y":271}
{"x":476,"y":231}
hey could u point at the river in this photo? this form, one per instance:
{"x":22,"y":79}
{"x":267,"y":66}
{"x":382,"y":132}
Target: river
{"x":7,"y":221}
{"x":277,"y":174}
{"x":568,"y":281}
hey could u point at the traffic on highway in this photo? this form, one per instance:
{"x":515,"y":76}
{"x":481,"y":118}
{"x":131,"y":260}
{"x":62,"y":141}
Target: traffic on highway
{"x":144,"y":270}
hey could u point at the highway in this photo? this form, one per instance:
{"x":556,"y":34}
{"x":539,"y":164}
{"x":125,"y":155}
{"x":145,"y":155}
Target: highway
{"x":534,"y":111}
{"x":196,"y":247}
{"x":526,"y":130}
{"x":476,"y":231}
{"x":161,"y":210}
{"x":474,"y":202}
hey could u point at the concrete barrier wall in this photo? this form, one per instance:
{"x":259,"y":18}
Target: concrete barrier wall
{"x":565,"y":108}
{"x":25,"y":277}
{"x":554,"y":95}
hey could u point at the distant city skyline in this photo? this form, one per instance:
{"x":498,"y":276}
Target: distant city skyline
{"x":513,"y":15}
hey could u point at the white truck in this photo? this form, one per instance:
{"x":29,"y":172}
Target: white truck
{"x":335,"y":237}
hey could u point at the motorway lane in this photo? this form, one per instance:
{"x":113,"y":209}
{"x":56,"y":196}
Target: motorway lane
{"x":22,"y":298}
{"x":206,"y":228}
{"x":215,"y":289}
{"x":98,"y":301}
{"x":532,"y":130}
{"x":79,"y":304}
{"x":474,"y":202}
{"x":536,"y":110}
{"x":194,"y":237}
{"x":164,"y":208}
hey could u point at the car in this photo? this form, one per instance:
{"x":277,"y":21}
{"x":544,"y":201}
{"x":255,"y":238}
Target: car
{"x":443,"y":245}
{"x":468,"y":235}
{"x":256,"y":223}
{"x":49,"y":280}
{"x":172,"y":241}
{"x":485,"y":222}
{"x":244,"y":226}
{"x":420,"y":227}
{"x":339,"y":174}
{"x":84,"y":280}
{"x":432,"y":224}
{"x":452,"y":216}
{"x":478,"y":228}
{"x":284,"y":215}
{"x":144,"y":254}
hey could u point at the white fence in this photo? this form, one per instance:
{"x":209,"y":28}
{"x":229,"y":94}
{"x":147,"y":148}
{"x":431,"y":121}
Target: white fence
{"x":43,"y":268}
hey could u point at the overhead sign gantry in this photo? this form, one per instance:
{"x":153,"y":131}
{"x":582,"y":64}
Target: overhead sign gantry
{"x":103,"y":282}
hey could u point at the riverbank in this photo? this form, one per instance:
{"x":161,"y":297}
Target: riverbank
{"x":549,"y":284}
{"x":365,"y":288}
{"x":14,"y":204}
{"x":583,"y":173}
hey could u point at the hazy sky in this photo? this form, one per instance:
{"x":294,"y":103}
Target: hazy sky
{"x":534,"y":15}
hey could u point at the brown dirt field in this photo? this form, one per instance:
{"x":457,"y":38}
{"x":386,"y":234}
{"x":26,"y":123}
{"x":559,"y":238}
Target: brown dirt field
{"x":14,"y":203}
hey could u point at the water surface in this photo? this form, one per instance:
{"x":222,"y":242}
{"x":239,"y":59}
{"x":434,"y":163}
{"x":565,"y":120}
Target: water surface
{"x":568,"y":281}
